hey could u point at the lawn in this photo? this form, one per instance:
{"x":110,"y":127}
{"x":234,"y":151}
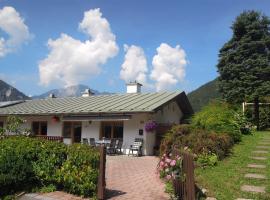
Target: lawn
{"x":225,"y":180}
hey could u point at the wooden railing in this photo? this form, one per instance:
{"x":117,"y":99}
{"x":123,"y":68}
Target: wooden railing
{"x":102,"y":169}
{"x":186,"y":189}
{"x":51,"y":138}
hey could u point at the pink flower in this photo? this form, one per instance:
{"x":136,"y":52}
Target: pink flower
{"x":168,"y":177}
{"x":178,"y":157}
{"x":168,"y":160}
{"x":161,"y":163}
{"x":173,"y":163}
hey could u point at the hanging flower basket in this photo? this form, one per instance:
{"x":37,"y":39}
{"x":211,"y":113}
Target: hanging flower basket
{"x":150,"y":126}
{"x":55,"y":119}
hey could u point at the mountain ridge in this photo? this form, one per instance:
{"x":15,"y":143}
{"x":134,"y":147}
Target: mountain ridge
{"x":204,"y":94}
{"x":10,"y":93}
{"x":71,"y":91}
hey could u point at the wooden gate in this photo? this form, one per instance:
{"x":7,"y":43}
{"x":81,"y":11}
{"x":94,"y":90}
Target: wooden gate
{"x":102,"y":169}
{"x":185,"y":190}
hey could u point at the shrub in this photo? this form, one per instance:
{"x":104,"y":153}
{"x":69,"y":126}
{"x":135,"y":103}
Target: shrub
{"x":50,"y":158}
{"x":220,"y":118}
{"x":26,"y":163}
{"x":174,"y":138}
{"x":79,"y":173}
{"x":201,"y":141}
{"x":207,"y":159}
{"x":198,"y":140}
{"x":244,"y":124}
{"x":16,"y":157}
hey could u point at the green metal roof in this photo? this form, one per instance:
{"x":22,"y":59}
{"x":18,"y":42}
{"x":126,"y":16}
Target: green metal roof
{"x":115,"y":103}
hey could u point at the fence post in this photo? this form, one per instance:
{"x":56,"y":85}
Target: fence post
{"x":188,"y":169}
{"x":101,"y":177}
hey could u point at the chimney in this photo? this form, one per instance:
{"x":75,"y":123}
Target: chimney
{"x":52,"y":95}
{"x":87,"y":93}
{"x":134,"y":87}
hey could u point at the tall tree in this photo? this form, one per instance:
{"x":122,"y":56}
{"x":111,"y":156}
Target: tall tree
{"x":244,"y":61}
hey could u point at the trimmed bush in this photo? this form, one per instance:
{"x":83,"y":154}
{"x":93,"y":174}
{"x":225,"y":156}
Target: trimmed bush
{"x":16,"y":169}
{"x":199,"y":141}
{"x":79,"y":172}
{"x":220,"y":118}
{"x":50,"y":158}
{"x":27,"y":163}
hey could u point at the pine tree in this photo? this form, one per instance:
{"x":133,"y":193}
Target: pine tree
{"x":244,"y":61}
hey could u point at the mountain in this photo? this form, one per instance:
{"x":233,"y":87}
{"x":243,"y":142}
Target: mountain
{"x":201,"y":96}
{"x":9,"y":93}
{"x":71,"y":91}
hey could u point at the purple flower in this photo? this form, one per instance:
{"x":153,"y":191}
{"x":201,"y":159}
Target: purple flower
{"x":150,"y":126}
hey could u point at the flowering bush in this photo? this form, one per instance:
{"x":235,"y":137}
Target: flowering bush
{"x":170,"y":167}
{"x":150,"y":126}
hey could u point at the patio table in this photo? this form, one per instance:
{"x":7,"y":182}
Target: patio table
{"x":103,"y":142}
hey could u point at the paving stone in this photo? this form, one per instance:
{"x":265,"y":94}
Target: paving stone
{"x":258,"y":158}
{"x":260,"y":151}
{"x":257,"y":176}
{"x":264,"y":143}
{"x":263,"y":147}
{"x":32,"y":194}
{"x":251,"y":188}
{"x":256,"y":166}
{"x":243,"y":199}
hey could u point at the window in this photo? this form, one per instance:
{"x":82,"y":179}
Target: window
{"x":112,"y":129}
{"x":67,"y":127}
{"x":1,"y":124}
{"x":39,"y":128}
{"x":72,"y":130}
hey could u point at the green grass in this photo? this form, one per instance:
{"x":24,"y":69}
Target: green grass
{"x":225,"y":180}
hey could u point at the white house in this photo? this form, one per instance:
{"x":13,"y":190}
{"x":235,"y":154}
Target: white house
{"x":97,"y":116}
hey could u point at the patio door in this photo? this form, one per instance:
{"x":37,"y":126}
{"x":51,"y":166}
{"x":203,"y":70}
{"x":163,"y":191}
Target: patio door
{"x":112,"y":129}
{"x":73,"y":130}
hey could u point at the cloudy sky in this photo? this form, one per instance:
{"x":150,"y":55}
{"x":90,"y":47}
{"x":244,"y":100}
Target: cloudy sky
{"x":166,"y":45}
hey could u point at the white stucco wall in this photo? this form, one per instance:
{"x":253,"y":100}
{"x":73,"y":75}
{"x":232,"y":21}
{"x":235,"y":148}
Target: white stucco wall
{"x":170,"y":113}
{"x":90,"y":130}
{"x":131,"y":131}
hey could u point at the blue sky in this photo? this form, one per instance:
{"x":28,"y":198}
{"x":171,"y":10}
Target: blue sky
{"x":199,"y":27}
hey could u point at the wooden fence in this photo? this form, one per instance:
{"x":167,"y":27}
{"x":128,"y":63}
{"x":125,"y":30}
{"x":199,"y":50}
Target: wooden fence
{"x":51,"y":138}
{"x":102,"y":169}
{"x":185,"y":190}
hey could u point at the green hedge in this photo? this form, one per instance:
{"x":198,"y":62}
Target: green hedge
{"x":27,"y":163}
{"x":220,"y":118}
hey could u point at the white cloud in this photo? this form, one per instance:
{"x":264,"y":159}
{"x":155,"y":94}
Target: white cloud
{"x":168,"y":66}
{"x":17,"y":32}
{"x":70,"y":60}
{"x":135,"y":65}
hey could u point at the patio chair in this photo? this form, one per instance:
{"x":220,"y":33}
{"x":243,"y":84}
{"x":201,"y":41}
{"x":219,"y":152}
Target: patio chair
{"x":137,"y":146}
{"x":119,"y":145}
{"x":85,"y":141}
{"x":92,"y":142}
{"x":111,"y":147}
